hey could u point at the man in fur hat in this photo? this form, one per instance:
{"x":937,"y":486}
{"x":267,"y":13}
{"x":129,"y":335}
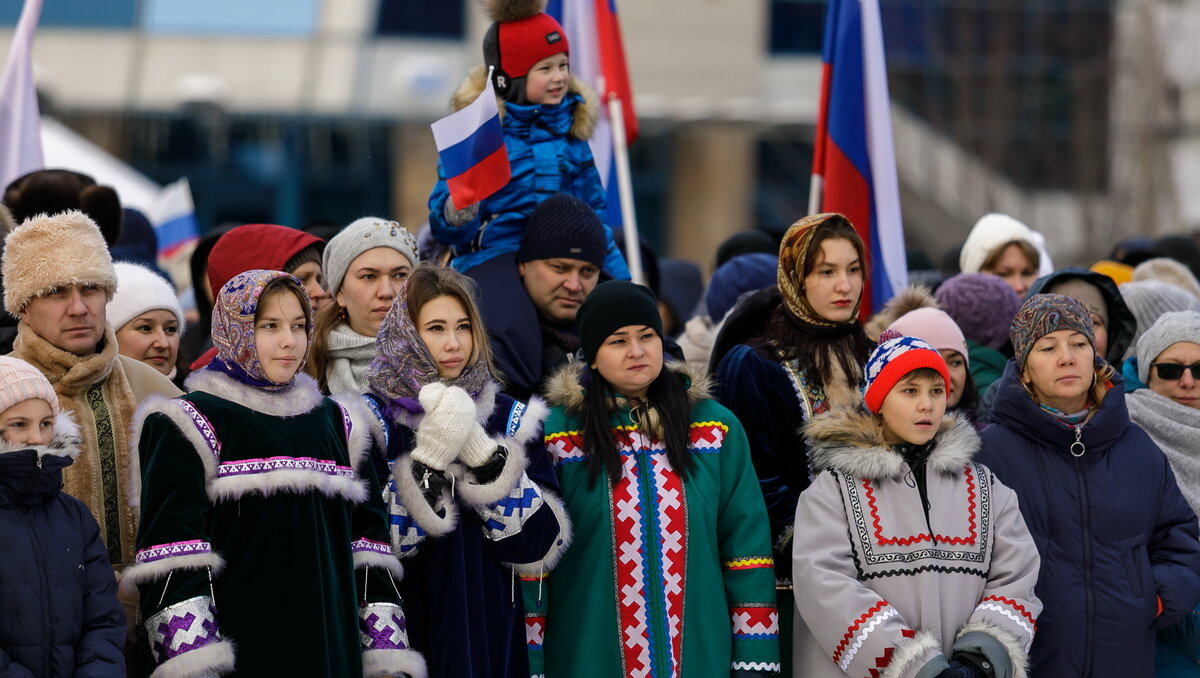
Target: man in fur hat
{"x":58,"y":278}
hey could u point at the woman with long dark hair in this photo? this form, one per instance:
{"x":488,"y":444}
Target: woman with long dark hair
{"x":671,"y":550}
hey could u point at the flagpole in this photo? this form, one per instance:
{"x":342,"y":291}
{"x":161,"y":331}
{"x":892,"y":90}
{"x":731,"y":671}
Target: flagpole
{"x":633,"y":250}
{"x":814,"y":194}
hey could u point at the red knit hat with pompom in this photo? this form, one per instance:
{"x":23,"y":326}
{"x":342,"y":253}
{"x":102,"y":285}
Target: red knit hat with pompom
{"x":520,"y":36}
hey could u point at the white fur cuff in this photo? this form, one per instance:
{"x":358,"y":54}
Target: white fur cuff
{"x":377,"y":663}
{"x":217,"y":658}
{"x":479,"y":495}
{"x":910,"y":656}
{"x":413,"y":501}
{"x":565,"y":533}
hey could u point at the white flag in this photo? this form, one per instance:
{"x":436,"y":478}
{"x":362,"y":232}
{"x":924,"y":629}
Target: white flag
{"x":20,"y":125}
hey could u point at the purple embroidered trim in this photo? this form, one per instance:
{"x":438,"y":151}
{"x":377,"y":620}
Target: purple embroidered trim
{"x":381,"y":626}
{"x":204,"y":427}
{"x":183,"y":627}
{"x":256,"y":466}
{"x":172,"y":550}
{"x":346,"y":422}
{"x":370,"y":546}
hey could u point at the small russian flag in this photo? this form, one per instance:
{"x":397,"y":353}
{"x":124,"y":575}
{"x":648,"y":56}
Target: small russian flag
{"x":470,"y":143}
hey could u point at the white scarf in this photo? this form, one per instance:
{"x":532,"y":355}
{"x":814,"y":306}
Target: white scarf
{"x":350,"y":354}
{"x":1176,"y":430}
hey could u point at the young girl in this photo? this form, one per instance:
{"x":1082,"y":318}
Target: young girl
{"x":910,"y":558}
{"x":670,"y":570}
{"x":58,"y":596}
{"x":263,"y":549}
{"x":472,"y":491}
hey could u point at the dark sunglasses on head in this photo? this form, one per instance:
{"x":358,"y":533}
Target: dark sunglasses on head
{"x":1173,"y":371}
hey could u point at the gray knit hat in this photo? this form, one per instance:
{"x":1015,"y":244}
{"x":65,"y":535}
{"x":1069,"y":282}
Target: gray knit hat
{"x":362,"y":235}
{"x":1171,"y":328}
{"x":1149,"y":299}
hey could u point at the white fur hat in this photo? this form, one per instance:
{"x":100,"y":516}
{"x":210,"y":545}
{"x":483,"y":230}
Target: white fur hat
{"x":50,"y":251}
{"x":139,"y":290}
{"x":991,"y":231}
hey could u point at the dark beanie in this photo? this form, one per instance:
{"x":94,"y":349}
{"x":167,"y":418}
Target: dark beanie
{"x":611,"y":306}
{"x":746,"y":242}
{"x":563,"y":227}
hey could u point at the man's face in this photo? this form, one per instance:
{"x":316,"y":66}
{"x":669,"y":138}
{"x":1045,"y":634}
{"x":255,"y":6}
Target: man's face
{"x":70,"y":317}
{"x":558,"y":286}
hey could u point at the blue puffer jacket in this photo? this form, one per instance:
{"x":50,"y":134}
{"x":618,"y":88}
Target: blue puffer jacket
{"x":549,"y":153}
{"x":59,"y":616}
{"x":1115,"y":534}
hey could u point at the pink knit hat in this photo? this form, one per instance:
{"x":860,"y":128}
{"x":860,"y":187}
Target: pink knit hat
{"x":936,"y":327}
{"x":20,"y":381}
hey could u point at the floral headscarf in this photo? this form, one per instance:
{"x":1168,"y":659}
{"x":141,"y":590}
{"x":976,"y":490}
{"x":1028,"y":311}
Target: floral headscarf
{"x":233,"y":328}
{"x":403,"y":363}
{"x":793,"y":255}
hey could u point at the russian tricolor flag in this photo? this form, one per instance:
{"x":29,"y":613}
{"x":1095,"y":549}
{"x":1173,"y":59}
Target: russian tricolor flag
{"x":854,"y":164}
{"x":470,"y":143}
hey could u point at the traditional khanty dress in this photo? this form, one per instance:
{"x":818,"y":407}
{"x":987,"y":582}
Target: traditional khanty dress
{"x":667,"y":574}
{"x":264,"y":547}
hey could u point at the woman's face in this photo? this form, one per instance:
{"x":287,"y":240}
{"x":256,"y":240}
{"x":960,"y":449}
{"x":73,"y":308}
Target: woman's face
{"x":836,"y":281}
{"x":313,"y":281}
{"x":630,"y":359}
{"x":280,"y":335}
{"x":444,"y":326}
{"x":1016,"y":269}
{"x":370,"y":286}
{"x":958,"y":375}
{"x":1185,"y":389}
{"x":153,"y":338}
{"x":1059,"y":370}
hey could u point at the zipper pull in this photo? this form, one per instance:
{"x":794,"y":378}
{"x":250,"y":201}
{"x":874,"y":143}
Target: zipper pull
{"x":39,"y":461}
{"x":1077,"y":447}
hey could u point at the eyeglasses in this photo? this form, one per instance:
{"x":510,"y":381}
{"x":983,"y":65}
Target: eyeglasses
{"x":1174,"y":371}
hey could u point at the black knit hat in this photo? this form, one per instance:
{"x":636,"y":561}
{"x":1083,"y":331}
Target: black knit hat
{"x":611,"y":306}
{"x":563,"y":227}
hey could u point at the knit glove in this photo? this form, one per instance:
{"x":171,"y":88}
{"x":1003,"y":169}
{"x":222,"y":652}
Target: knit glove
{"x":478,"y":448}
{"x":449,"y":416}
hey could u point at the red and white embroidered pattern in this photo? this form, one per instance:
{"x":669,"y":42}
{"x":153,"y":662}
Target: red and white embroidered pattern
{"x":564,"y":446}
{"x":972,"y":518}
{"x":535,"y":630}
{"x":707,"y":436}
{"x":754,"y":622}
{"x":631,"y":570}
{"x":1014,"y":612}
{"x":856,"y":633}
{"x":672,"y":540}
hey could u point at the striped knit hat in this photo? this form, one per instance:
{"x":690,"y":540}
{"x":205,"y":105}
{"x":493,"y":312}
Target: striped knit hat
{"x":896,"y":356}
{"x":20,"y":381}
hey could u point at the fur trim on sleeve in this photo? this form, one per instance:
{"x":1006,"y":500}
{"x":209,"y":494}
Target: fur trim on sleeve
{"x":215,"y":659}
{"x":373,"y":559}
{"x":912,"y":654}
{"x":173,"y":410}
{"x":363,"y":425}
{"x":142,"y":573}
{"x":378,"y":663}
{"x":998,"y":645}
{"x":561,"y":543}
{"x":414,"y":502}
{"x":477,"y":495}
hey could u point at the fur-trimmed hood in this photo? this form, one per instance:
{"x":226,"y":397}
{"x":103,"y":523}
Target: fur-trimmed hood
{"x":852,"y":443}
{"x":28,"y":472}
{"x":910,"y":298}
{"x":585,"y":115}
{"x":565,"y":388}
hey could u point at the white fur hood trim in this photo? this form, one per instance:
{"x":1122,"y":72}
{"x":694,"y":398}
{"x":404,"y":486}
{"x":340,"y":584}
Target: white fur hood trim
{"x":302,"y":397}
{"x":65,"y":443}
{"x":852,"y":443}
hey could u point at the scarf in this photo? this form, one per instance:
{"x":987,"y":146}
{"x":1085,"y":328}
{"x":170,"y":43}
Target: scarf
{"x":1175,"y":429}
{"x":350,"y":354}
{"x":233,"y":329}
{"x":794,"y":253}
{"x":403,"y":363}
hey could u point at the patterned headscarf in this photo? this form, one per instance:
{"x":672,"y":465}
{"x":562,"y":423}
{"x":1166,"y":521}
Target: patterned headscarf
{"x":233,"y":328}
{"x":793,"y":255}
{"x":403,"y":363}
{"x":1042,"y":314}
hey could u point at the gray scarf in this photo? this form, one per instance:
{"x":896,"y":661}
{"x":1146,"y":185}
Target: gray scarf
{"x":1176,"y":430}
{"x":350,"y":354}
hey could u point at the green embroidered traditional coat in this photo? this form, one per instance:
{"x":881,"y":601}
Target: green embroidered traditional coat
{"x":263,"y":549}
{"x":666,"y":573}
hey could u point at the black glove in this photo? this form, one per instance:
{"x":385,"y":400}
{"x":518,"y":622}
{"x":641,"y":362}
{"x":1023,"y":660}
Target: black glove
{"x":958,"y":669}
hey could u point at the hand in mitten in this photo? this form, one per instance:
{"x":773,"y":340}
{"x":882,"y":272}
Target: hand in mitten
{"x":449,"y":415}
{"x":462,"y":216}
{"x":478,"y":448}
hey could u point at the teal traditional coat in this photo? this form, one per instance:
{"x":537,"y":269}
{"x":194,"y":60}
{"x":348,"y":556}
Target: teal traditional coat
{"x":263,"y":549}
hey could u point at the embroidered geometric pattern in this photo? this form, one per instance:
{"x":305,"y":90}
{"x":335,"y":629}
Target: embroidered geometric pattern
{"x":671,"y":526}
{"x":506,"y":517}
{"x":856,"y":634}
{"x":205,"y":428}
{"x":179,"y":548}
{"x":768,"y":667}
{"x":365,"y":545}
{"x":381,"y":626}
{"x":751,"y":563}
{"x":754,"y":622}
{"x":535,"y":630}
{"x":378,"y":412}
{"x":629,"y":554}
{"x":347,"y":424}
{"x":244,"y":467}
{"x":183,"y":627}
{"x":514,"y":418}
{"x":909,"y":541}
{"x":564,"y":446}
{"x":707,"y":437}
{"x":1013,"y":611}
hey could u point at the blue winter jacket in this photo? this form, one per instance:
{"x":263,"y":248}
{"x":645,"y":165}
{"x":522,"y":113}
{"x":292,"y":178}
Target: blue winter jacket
{"x":1115,"y":533}
{"x":59,"y":615}
{"x":549,"y":153}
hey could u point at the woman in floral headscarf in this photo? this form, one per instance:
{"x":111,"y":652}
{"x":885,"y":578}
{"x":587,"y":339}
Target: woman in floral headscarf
{"x":263,"y":545}
{"x":472,"y":497}
{"x":807,"y":343}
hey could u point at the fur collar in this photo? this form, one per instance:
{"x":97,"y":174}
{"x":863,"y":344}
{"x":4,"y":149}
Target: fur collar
{"x":565,"y":389}
{"x":65,"y":443}
{"x":302,"y":397}
{"x":585,"y":115}
{"x":69,"y":374}
{"x":909,"y":298}
{"x":851,"y":442}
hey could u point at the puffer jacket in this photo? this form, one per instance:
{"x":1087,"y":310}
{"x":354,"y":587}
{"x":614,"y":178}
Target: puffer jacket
{"x":59,"y":616}
{"x":904,"y":559}
{"x":548,"y":152}
{"x":1119,"y":544}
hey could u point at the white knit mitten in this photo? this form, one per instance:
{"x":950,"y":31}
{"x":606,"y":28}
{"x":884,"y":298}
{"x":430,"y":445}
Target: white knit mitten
{"x":449,"y":418}
{"x":478,"y":448}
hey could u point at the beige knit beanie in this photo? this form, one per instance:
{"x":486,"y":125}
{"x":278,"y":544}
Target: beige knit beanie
{"x":20,"y":381}
{"x":50,"y":251}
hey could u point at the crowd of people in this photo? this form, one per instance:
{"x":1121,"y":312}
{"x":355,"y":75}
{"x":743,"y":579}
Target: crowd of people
{"x":480,"y":451}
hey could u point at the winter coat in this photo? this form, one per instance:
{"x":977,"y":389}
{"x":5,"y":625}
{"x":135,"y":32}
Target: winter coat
{"x":263,"y":549}
{"x":662,"y":565}
{"x":696,"y":342}
{"x":883,"y":582}
{"x":461,"y":549}
{"x":1116,"y":537}
{"x":548,"y":152}
{"x":1121,"y":324}
{"x":102,"y":392}
{"x":59,"y":616}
